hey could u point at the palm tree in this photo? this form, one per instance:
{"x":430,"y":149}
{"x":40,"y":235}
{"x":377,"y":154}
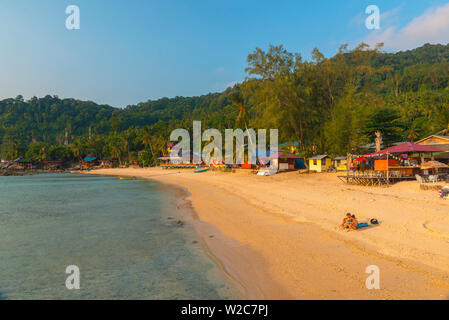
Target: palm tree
{"x":115,"y":150}
{"x":43,"y":153}
{"x":238,"y":101}
{"x":146,"y":139}
{"x":412,"y":133}
{"x":242,"y":118}
{"x":78,"y":148}
{"x":125,"y":146}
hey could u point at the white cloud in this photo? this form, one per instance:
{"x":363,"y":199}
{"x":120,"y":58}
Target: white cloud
{"x":391,"y":16}
{"x":430,"y":27}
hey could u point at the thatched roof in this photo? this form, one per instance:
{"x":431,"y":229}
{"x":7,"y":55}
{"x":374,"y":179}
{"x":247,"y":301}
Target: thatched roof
{"x":433,"y":165}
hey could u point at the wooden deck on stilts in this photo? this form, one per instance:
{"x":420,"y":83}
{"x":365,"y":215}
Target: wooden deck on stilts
{"x":373,"y":180}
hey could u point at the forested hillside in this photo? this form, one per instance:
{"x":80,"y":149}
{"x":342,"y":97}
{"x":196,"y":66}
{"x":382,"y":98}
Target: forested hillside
{"x":330,"y":105}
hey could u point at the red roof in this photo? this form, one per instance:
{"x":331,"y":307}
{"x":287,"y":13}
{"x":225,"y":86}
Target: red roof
{"x":410,"y":147}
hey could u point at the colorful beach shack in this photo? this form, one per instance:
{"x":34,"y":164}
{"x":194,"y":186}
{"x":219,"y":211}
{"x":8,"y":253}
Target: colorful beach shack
{"x":404,"y":159}
{"x":88,"y":162}
{"x":399,"y":162}
{"x":436,"y":141}
{"x":171,"y":162}
{"x":285,"y":161}
{"x":53,"y":164}
{"x":24,"y":164}
{"x":320,"y":163}
{"x":340,"y":163}
{"x":440,"y":142}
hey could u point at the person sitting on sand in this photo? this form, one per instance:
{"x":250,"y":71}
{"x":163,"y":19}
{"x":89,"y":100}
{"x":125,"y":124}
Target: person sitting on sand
{"x":348,"y":216}
{"x":349,"y":222}
{"x":354,"y":223}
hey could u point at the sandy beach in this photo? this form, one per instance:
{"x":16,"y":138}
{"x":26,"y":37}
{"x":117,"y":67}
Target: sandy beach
{"x":277,"y":237}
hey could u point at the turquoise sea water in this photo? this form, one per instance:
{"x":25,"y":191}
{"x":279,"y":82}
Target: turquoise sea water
{"x":123,"y":235}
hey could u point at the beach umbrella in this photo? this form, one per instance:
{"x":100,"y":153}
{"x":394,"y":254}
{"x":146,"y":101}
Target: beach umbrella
{"x":433,"y":164}
{"x":362,"y":158}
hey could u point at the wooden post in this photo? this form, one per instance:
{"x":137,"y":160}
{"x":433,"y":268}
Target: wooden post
{"x":388,"y":168}
{"x":348,"y":161}
{"x":347,"y":164}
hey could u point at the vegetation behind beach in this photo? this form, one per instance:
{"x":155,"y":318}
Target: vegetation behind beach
{"x":331,"y":105}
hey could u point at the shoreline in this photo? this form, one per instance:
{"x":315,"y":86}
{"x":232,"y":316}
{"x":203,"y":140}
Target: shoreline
{"x":233,"y":259}
{"x":276,"y":255}
{"x":230,"y":257}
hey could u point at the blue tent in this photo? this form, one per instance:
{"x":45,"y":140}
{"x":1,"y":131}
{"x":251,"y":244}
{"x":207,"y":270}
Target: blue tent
{"x":89,"y":159}
{"x":293,"y":143}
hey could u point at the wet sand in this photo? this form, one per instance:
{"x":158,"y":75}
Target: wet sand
{"x":278,"y":237}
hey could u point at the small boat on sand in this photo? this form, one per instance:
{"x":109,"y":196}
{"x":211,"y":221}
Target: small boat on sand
{"x":199,"y":170}
{"x":268,"y":171}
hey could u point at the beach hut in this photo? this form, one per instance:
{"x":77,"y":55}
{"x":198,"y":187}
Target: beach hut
{"x":175,"y":163}
{"x":284,"y":161}
{"x":393,"y":158}
{"x":340,"y":163}
{"x":320,"y":163}
{"x":440,"y":142}
{"x":169,"y":162}
{"x":408,"y":148}
{"x":53,"y":164}
{"x":24,"y":164}
{"x":88,"y":162}
{"x":436,"y":141}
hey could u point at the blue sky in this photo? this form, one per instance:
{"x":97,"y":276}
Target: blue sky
{"x":131,"y":51}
